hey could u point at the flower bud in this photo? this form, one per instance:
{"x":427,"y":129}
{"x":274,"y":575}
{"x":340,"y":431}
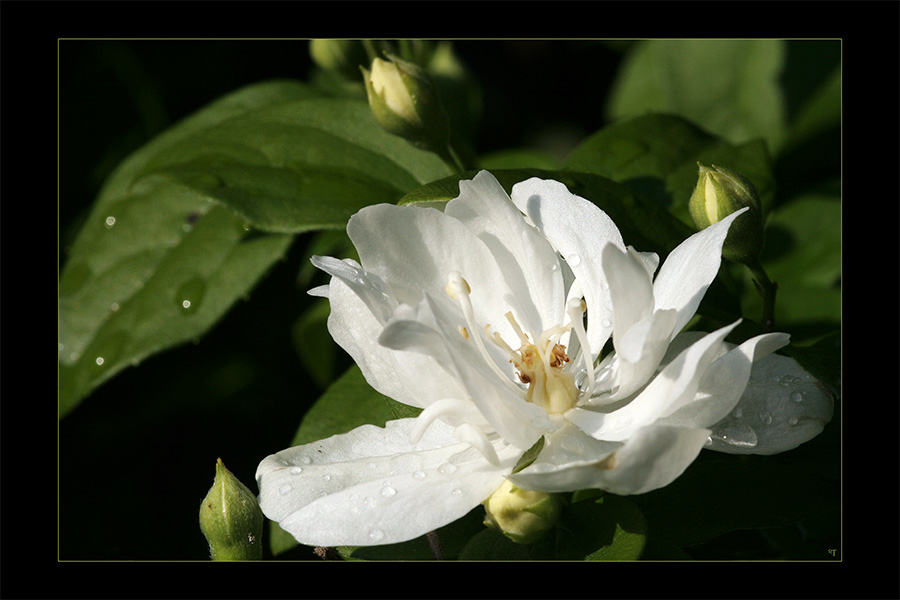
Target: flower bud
{"x":340,"y":56}
{"x":521,"y":515}
{"x":231,"y":519}
{"x":406,"y":103}
{"x":719,"y":193}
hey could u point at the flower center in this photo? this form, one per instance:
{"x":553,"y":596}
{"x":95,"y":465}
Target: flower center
{"x":540,"y":363}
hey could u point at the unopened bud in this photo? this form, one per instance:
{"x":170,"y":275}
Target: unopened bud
{"x":231,"y":519}
{"x":340,"y":56}
{"x":406,"y":103}
{"x":721,"y":192}
{"x":521,"y":515}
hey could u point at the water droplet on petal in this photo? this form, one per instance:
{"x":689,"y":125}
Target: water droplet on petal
{"x":109,"y":222}
{"x":574,"y":260}
{"x":738,"y":434}
{"x":447,"y":469}
{"x":419,"y":474}
{"x":388,"y":491}
{"x":305,"y":460}
{"x":376,"y":535}
{"x":285,"y":489}
{"x":737,"y":413}
{"x":793,"y":421}
{"x":457,"y":492}
{"x":606,"y":323}
{"x":326,"y":477}
{"x":797,"y":396}
{"x":296,"y":470}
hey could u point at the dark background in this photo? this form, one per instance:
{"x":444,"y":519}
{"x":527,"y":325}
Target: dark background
{"x":137,"y":457}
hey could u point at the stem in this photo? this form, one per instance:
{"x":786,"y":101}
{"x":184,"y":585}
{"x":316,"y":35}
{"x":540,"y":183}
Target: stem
{"x":371,"y":51}
{"x":435,"y":544}
{"x":452,"y":159}
{"x":767,"y":289}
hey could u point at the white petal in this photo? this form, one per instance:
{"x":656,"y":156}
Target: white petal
{"x":651,"y":458}
{"x":529,"y":264}
{"x":578,"y":230}
{"x":370,"y":487}
{"x":413,"y":379}
{"x":782,"y":407}
{"x":689,"y":269}
{"x":724,"y":382}
{"x":645,"y":342}
{"x":416,"y":249}
{"x":519,"y":422}
{"x":569,"y":461}
{"x":631,"y":294}
{"x":672,"y":388}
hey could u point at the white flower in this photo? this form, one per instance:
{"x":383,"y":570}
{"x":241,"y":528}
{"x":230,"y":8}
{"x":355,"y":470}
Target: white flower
{"x":476,"y":314}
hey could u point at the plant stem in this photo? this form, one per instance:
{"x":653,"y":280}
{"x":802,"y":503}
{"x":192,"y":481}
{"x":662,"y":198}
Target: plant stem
{"x":767,"y":289}
{"x":435,"y":544}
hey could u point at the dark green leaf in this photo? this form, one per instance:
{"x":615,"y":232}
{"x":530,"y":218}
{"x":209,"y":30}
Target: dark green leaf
{"x":347,"y":403}
{"x":611,"y":528}
{"x":720,"y":493}
{"x":803,"y":255}
{"x":530,"y":455}
{"x":280,"y":158}
{"x":731,"y":87}
{"x":657,"y":156}
{"x":167,"y":269}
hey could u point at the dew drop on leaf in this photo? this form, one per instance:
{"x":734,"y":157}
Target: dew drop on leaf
{"x":190,"y":295}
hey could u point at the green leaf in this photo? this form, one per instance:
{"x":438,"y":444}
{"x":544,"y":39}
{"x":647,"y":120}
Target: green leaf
{"x":803,"y":255}
{"x":720,"y":493}
{"x":348,"y":403}
{"x":731,"y":87}
{"x":163,"y":273}
{"x":304,"y":165}
{"x":283,"y":157}
{"x":278,"y":156}
{"x":657,"y":156}
{"x":529,"y":456}
{"x":611,"y":528}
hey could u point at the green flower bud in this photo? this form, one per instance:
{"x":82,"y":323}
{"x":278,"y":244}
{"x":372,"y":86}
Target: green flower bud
{"x":406,"y":103}
{"x":521,"y":515}
{"x":230,"y":519}
{"x":719,"y":193}
{"x":340,"y":56}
